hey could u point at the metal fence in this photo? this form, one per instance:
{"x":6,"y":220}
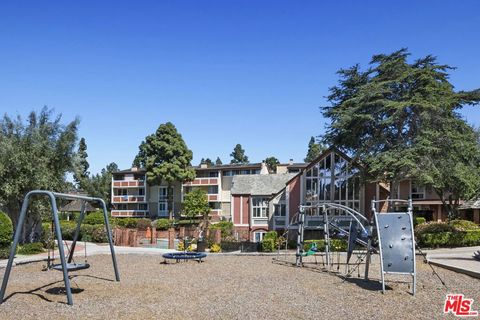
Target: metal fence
{"x":244,"y":246}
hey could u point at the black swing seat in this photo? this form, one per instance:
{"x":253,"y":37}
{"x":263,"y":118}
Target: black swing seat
{"x":71,"y":266}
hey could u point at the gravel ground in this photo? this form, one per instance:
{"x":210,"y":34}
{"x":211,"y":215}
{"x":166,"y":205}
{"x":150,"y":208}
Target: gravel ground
{"x":223,"y":287}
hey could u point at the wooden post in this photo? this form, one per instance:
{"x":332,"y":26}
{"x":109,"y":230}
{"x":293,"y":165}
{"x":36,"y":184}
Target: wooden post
{"x":171,"y":238}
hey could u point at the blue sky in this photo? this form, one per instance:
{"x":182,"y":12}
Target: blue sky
{"x":224,"y":72}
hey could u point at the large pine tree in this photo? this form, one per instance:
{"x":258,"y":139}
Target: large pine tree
{"x":166,"y":158}
{"x":238,"y":155}
{"x":392,"y":117}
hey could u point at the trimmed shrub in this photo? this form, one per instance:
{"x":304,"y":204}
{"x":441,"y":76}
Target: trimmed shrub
{"x":95,"y":217}
{"x":93,"y":233}
{"x":225,"y":227}
{"x":126,"y":222}
{"x":6,"y":230}
{"x":268,"y":244}
{"x":464,"y":225}
{"x":162,"y":224}
{"x":31,"y":248}
{"x":419,"y":220}
{"x":143,"y":224}
{"x":450,"y":239}
{"x":433,"y":227}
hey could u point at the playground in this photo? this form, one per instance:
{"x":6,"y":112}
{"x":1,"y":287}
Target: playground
{"x":224,"y":286}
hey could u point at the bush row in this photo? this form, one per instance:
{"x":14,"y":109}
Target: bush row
{"x":93,"y":233}
{"x":449,"y":239}
{"x":6,"y":235}
{"x":339,"y":245}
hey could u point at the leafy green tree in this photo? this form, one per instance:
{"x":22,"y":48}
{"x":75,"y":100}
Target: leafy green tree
{"x":384,"y":116}
{"x":209,"y":162}
{"x":100,"y":184}
{"x":238,"y":155}
{"x":81,"y":173}
{"x":34,"y":154}
{"x":218,"y":162}
{"x":166,"y":158}
{"x":450,"y":161}
{"x":195,"y":203}
{"x":314,"y":150}
{"x":271,"y":163}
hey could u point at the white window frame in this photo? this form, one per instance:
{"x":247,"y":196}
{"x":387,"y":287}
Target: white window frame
{"x":261,"y":235}
{"x":163,"y":199}
{"x":262,"y":208}
{"x":420,"y":192}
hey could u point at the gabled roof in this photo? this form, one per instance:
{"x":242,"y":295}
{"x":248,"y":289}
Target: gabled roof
{"x":471,"y":204}
{"x":260,"y":184}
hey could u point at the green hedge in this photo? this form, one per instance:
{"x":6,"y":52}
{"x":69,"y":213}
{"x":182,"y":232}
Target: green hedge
{"x":268,"y":245}
{"x":449,"y":239}
{"x":95,"y":217}
{"x":6,"y":235}
{"x":31,"y":248}
{"x":419,"y":220}
{"x":143,"y":224}
{"x":162,"y":224}
{"x":126,"y":222}
{"x":6,"y":230}
{"x":91,"y":233}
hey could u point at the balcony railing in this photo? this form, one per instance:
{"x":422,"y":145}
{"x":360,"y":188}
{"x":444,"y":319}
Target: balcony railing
{"x":129,"y":213}
{"x":213,"y":197}
{"x":202,"y":182}
{"x":129,"y":198}
{"x":128,"y":183}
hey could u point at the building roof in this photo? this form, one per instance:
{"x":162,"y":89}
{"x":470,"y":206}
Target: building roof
{"x":471,"y":204}
{"x":131,"y":170}
{"x":76,"y":206}
{"x":231,"y":166}
{"x":260,"y":184}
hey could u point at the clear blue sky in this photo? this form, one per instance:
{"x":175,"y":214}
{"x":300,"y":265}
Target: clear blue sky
{"x":224,"y":72}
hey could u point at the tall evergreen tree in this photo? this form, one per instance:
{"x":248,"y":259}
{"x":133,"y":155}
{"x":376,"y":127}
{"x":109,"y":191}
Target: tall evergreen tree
{"x":209,"y":162}
{"x":314,"y":150}
{"x":166,"y":158}
{"x":218,"y":162}
{"x":384,"y":116}
{"x":238,"y":155}
{"x":81,"y":173}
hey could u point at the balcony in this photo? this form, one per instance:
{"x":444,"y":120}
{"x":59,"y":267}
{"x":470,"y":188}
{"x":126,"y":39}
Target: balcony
{"x":129,"y":213}
{"x":128,"y":183}
{"x":129,"y":199}
{"x":213,"y":197}
{"x":202,"y":182}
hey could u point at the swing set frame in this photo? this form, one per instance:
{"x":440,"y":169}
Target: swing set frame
{"x":65,"y":263}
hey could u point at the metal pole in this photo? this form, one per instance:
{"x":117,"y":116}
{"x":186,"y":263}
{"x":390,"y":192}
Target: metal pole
{"x":109,"y":236}
{"x":326,"y":236}
{"x":60,"y":247}
{"x":13,"y":249}
{"x":369,"y":242}
{"x":77,"y":231}
{"x":300,"y":237}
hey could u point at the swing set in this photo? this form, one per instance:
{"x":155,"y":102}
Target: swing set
{"x":66,"y":264}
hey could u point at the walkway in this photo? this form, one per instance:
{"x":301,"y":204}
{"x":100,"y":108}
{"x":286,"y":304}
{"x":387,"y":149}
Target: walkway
{"x":456,"y":259}
{"x":92,"y":249}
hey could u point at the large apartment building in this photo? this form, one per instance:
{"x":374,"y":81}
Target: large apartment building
{"x":133,"y":197}
{"x":257,"y":200}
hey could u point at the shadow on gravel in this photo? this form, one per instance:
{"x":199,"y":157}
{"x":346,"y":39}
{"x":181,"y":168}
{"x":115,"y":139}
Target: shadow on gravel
{"x":61,"y":290}
{"x":372,"y":285}
{"x":34,"y":293}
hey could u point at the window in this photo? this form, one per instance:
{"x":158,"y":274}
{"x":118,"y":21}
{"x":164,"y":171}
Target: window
{"x":119,"y":177}
{"x":258,"y":236}
{"x":121,"y":192}
{"x":140,"y":177}
{"x":212,"y":190}
{"x":163,"y":208}
{"x":214,"y":205}
{"x":121,"y":206}
{"x":417,"y":191}
{"x":280,"y":210}
{"x":141,"y":192}
{"x":259,"y":207}
{"x":142,"y":206}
